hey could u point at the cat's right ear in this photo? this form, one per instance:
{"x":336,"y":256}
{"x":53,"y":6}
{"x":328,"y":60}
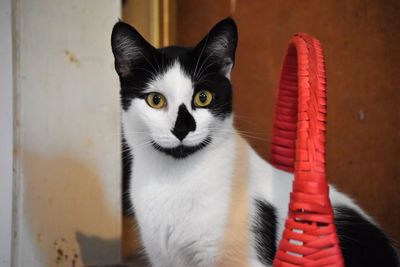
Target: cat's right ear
{"x":129,"y":48}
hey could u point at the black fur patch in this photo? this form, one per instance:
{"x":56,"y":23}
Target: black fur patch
{"x":264,"y":229}
{"x":182,"y":151}
{"x":221,"y":88}
{"x":205,"y":67}
{"x":184,"y":124}
{"x":363,"y":243}
{"x":127,"y":158}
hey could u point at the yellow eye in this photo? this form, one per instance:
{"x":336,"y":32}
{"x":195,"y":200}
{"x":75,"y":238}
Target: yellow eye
{"x":156,"y":100}
{"x":203,"y":98}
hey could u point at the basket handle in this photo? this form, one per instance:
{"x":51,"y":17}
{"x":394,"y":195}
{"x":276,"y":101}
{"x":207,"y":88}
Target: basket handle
{"x":298,"y":145}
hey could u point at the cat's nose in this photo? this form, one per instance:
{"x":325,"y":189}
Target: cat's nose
{"x":180,"y":134}
{"x":184,"y":124}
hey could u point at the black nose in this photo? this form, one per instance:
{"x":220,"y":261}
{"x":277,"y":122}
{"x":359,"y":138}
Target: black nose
{"x":184,"y":124}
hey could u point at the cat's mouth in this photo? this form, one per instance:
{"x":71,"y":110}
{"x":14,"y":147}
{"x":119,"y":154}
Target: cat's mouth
{"x":182,"y":151}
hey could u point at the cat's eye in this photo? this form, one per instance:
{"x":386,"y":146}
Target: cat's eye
{"x":203,"y":98}
{"x":156,"y":100}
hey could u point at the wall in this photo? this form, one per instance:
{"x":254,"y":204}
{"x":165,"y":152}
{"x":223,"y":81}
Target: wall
{"x":67,"y":134}
{"x":363,"y":61}
{"x":6,"y":133}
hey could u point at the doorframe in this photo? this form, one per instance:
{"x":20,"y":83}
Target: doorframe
{"x":6,"y":131}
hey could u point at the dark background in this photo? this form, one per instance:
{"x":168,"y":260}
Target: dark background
{"x":361,"y":41}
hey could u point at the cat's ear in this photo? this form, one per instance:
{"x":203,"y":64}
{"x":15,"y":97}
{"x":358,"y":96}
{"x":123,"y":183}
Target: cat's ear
{"x":129,"y":48}
{"x":220,"y":45}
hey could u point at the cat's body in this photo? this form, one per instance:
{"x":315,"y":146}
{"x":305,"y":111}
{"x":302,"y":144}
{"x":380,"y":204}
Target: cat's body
{"x":185,"y":157}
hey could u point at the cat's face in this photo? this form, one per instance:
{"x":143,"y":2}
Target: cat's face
{"x":176,"y":100}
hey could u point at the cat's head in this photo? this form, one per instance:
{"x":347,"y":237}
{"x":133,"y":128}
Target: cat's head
{"x":175,"y":99}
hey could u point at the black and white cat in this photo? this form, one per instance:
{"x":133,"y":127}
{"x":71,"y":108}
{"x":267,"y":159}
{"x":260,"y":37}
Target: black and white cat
{"x":177,"y":122}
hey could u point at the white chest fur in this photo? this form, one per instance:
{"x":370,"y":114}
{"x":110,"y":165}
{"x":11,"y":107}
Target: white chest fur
{"x":182,"y":205}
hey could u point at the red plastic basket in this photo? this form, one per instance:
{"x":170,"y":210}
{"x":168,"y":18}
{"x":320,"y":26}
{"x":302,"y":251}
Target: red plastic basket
{"x":309,"y":237}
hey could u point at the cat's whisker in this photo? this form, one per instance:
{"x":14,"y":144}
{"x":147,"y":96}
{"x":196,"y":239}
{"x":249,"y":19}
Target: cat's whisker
{"x":128,"y":149}
{"x":240,"y":131}
{"x":251,"y":132}
{"x":155,"y":59}
{"x":146,"y":70}
{"x":211,"y":54}
{"x":243,"y":133}
{"x":256,"y":138}
{"x":204,"y":69}
{"x":201,"y":53}
{"x":148,"y":61}
{"x":203,"y":78}
{"x":246,"y":135}
{"x":136,"y":146}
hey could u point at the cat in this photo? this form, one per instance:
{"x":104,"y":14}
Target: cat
{"x":182,"y":150}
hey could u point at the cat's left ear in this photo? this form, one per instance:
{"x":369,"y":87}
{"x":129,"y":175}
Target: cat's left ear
{"x":220,"y":45}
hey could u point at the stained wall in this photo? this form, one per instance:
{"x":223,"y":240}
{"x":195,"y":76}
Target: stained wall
{"x":67,"y":142}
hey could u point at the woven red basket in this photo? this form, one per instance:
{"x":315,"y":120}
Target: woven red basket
{"x":309,"y":237}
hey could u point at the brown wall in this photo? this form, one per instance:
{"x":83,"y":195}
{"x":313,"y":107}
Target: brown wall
{"x":361,"y":43}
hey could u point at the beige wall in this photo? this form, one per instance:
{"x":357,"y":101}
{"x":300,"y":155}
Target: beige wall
{"x":67,"y":134}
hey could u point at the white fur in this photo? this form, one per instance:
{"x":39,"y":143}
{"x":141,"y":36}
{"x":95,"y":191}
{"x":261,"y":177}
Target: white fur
{"x":181,"y":204}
